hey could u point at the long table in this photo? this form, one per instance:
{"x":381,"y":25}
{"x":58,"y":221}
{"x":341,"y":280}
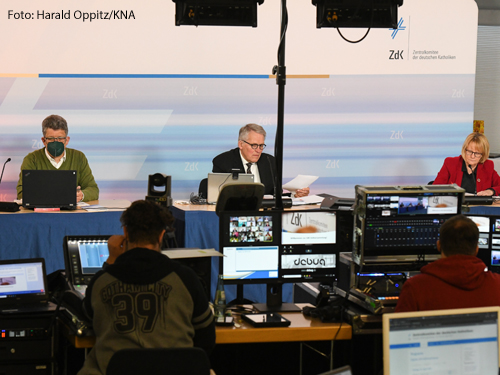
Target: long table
{"x":301,"y":330}
{"x":28,"y":234}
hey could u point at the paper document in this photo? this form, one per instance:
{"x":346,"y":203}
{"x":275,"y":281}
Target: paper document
{"x":310,"y":199}
{"x":300,"y":182}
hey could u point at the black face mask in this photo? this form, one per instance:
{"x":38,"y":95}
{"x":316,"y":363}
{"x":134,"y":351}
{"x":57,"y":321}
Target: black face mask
{"x":55,"y":148}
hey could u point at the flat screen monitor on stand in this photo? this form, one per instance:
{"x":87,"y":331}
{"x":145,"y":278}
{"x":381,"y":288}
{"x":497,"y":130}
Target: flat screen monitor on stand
{"x":276,"y":248}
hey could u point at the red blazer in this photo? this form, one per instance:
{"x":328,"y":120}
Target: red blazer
{"x":486,"y":176}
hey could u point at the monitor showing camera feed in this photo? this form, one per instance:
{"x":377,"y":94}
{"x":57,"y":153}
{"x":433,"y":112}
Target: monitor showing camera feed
{"x":495,"y":244}
{"x":483,"y":224}
{"x":250,"y":246}
{"x":251,"y":228}
{"x":308,"y":245}
{"x":305,"y":227}
{"x":278,"y":247}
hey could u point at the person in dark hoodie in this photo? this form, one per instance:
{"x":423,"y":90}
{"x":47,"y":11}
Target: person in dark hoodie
{"x":458,"y":280}
{"x":142,"y":299}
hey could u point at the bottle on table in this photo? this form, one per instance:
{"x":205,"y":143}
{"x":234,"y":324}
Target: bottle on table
{"x":220,"y":299}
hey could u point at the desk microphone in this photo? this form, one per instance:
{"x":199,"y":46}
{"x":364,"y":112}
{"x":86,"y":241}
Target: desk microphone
{"x":1,"y":176}
{"x":7,"y":206}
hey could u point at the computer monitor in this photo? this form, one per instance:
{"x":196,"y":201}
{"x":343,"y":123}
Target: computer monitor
{"x":275,"y":247}
{"x":489,"y":240}
{"x":308,"y":246}
{"x":457,"y":341}
{"x":484,"y":225}
{"x":401,"y":221}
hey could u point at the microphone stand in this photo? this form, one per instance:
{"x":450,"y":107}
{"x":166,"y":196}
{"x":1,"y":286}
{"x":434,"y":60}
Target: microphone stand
{"x":474,"y":175}
{"x":1,"y":176}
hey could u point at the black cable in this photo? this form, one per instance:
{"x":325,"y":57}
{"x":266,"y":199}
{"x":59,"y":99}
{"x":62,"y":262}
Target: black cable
{"x":283,"y":34}
{"x":367,"y":31}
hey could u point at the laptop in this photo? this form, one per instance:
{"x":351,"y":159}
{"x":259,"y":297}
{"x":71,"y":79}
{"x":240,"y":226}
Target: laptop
{"x":216,"y":181}
{"x":23,"y":287}
{"x":49,"y":189}
{"x":457,"y":341}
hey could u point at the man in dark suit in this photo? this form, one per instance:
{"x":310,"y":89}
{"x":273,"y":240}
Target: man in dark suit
{"x":249,"y":158}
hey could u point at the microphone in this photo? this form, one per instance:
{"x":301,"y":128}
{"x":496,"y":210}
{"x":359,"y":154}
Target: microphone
{"x":475,"y":182}
{"x":272,"y":176}
{"x":7,"y":206}
{"x":1,"y":176}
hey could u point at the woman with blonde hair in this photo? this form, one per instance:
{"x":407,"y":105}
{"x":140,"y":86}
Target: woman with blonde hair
{"x":472,"y":170}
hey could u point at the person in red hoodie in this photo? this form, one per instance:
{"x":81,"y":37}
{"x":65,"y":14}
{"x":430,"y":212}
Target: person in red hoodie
{"x":458,"y":280}
{"x":472,"y":170}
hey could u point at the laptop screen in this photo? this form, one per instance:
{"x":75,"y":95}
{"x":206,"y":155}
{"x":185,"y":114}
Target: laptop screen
{"x":22,"y":281}
{"x":459,"y":342}
{"x":216,"y":181}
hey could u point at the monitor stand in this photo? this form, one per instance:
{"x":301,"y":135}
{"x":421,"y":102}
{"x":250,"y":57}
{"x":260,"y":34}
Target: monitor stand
{"x":239,"y":300}
{"x":275,"y":301}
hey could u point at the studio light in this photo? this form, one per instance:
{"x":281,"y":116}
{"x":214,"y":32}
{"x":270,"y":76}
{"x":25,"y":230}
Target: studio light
{"x":216,"y":12}
{"x":357,"y":13}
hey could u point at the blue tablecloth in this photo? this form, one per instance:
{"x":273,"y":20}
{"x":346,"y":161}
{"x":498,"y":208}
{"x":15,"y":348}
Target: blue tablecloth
{"x":200,"y":229}
{"x":40,"y":235}
{"x":484,"y":210}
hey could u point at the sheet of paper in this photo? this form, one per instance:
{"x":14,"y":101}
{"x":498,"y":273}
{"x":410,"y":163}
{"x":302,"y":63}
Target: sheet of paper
{"x":311,"y":199}
{"x":94,"y":208}
{"x":191,"y":253}
{"x":300,"y":182}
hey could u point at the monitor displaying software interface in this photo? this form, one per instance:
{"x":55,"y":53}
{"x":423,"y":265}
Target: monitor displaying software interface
{"x":459,"y":342}
{"x":402,"y":223}
{"x":489,"y":240}
{"x":282,"y":247}
{"x":21,"y":278}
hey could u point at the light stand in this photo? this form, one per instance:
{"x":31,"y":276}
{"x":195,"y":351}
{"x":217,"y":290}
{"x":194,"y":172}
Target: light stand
{"x":280,"y":72}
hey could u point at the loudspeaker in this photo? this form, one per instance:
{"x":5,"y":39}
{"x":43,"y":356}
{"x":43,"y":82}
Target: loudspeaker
{"x":161,"y":196}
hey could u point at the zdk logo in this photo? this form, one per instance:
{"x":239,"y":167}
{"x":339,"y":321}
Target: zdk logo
{"x":399,"y":28}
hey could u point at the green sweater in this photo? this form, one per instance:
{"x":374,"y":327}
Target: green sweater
{"x":75,"y":161}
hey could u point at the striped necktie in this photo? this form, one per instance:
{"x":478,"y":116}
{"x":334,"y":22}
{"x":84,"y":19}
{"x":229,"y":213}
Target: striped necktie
{"x":249,"y":168}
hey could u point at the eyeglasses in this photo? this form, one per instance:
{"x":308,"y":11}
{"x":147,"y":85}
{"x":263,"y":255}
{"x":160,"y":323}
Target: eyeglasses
{"x":52,"y":139}
{"x":255,"y":145}
{"x":473,"y":154}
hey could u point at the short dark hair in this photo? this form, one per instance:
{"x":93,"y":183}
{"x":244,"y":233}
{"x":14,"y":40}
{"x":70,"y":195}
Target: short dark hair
{"x":459,"y":235}
{"x":245,"y":130}
{"x":54,"y":122}
{"x":145,"y":220}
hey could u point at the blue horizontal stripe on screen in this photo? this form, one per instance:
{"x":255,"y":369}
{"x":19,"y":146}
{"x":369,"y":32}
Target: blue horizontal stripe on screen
{"x":259,"y":275}
{"x":465,"y":341}
{"x":405,"y":346}
{"x":251,"y":76}
{"x":37,"y":291}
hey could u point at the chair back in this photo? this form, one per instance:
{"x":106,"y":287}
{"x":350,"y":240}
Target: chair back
{"x":203,"y":188}
{"x":171,"y":361}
